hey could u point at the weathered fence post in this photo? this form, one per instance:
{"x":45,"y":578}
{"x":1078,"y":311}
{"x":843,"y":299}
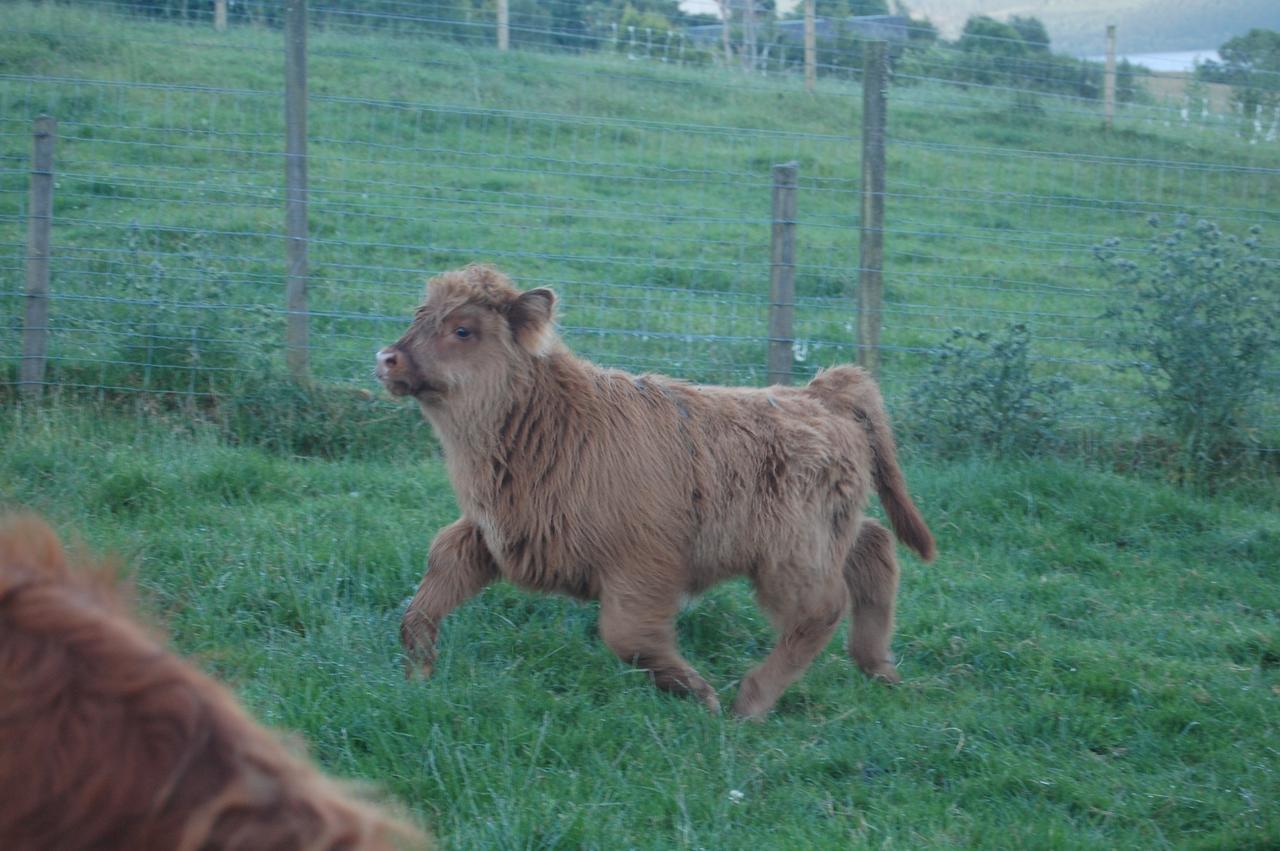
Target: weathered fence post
{"x":875,"y":96}
{"x":35,"y":324}
{"x":295,"y":170}
{"x":810,"y":46}
{"x":504,"y":25}
{"x":782,"y":273}
{"x":220,"y":15}
{"x":1109,"y":80}
{"x":748,"y":35}
{"x":726,"y":23}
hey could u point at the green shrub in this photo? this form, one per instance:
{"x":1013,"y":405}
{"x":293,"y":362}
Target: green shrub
{"x":1197,"y":314}
{"x":980,"y":393}
{"x":185,"y":337}
{"x":312,"y":420}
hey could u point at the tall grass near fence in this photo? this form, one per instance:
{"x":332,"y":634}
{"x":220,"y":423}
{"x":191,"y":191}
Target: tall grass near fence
{"x":640,"y":190}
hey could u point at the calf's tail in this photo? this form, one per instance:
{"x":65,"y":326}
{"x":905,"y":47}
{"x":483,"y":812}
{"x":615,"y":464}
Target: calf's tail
{"x":905,"y":518}
{"x":853,"y":392}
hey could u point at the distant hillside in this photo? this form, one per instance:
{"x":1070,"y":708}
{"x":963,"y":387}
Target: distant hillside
{"x":1079,"y":26}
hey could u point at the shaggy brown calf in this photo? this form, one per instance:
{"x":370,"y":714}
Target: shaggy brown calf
{"x":637,"y":490}
{"x":107,"y":740}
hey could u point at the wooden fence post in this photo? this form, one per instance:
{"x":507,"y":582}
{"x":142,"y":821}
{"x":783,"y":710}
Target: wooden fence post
{"x":748,"y":35}
{"x":504,"y":25}
{"x":875,"y":96}
{"x":1109,"y":80}
{"x":782,"y":273}
{"x":220,"y":15}
{"x":726,"y":23}
{"x":810,"y":46}
{"x":35,"y":324}
{"x":295,"y":170}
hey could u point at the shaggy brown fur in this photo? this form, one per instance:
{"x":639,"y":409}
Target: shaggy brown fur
{"x":636,"y":490}
{"x":107,"y":740}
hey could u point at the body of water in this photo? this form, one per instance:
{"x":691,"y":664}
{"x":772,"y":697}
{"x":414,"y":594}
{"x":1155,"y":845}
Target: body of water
{"x":1172,"y":61}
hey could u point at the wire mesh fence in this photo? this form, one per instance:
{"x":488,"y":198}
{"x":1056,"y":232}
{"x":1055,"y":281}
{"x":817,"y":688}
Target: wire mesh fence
{"x":633,"y":175}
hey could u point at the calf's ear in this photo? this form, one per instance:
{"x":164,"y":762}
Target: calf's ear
{"x":531,"y":316}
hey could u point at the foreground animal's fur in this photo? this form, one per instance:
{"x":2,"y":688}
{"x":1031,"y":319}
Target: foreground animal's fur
{"x":637,"y":490}
{"x":107,"y":740}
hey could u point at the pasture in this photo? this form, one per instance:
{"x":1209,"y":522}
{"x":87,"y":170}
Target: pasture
{"x":639,"y":190}
{"x":1092,"y":662}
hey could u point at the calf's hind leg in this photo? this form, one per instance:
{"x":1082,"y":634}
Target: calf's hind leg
{"x":641,"y":631}
{"x":459,"y":566}
{"x":806,"y":619}
{"x":871,"y":575}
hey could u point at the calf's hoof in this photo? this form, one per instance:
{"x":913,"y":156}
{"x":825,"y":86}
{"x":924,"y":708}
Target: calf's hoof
{"x":885,"y":672}
{"x":415,"y":669}
{"x":750,"y":705}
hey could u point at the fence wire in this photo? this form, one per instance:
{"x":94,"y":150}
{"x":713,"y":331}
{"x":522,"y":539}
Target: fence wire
{"x":631,"y":175}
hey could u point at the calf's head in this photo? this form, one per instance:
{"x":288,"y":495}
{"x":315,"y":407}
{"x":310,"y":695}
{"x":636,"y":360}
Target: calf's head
{"x":473,"y":336}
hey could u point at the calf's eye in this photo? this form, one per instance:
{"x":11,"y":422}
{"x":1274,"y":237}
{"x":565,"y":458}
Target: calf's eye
{"x":461,"y":333}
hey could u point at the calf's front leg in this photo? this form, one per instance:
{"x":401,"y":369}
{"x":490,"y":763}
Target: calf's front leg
{"x":459,"y":566}
{"x":640,"y":628}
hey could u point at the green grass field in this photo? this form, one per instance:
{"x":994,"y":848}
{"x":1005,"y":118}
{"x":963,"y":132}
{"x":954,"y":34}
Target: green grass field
{"x":640,"y":190}
{"x":1093,"y":661}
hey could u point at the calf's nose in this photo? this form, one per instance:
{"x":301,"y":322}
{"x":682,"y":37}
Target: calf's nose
{"x":387,"y":357}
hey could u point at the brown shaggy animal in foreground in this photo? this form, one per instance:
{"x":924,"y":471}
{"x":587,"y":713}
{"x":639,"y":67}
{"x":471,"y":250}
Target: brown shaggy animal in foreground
{"x":107,"y":740}
{"x":637,"y":490}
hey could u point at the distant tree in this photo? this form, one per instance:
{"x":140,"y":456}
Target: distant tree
{"x":1251,"y":66}
{"x":1016,"y":54}
{"x":658,"y":16}
{"x":844,"y":48}
{"x":839,"y":9}
{"x":1129,"y":78}
{"x":1259,"y":50}
{"x":855,"y":8}
{"x":1032,"y":32}
{"x":568,"y":23}
{"x":921,"y":31}
{"x":983,"y":34}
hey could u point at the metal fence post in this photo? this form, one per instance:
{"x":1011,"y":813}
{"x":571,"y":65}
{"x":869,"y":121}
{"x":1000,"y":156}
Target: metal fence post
{"x":220,"y":15}
{"x":875,"y":96}
{"x":504,"y":25}
{"x":1109,"y":80}
{"x":782,"y":273}
{"x":810,"y":46}
{"x":748,"y":35}
{"x":35,"y":324}
{"x":726,"y":24}
{"x":295,"y":169}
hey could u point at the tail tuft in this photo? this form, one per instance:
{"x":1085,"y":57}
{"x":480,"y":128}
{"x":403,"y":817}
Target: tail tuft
{"x":908,"y":525}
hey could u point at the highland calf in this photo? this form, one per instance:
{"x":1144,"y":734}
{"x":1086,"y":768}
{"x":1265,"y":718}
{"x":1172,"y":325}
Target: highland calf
{"x":107,"y":740}
{"x":638,"y":490}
